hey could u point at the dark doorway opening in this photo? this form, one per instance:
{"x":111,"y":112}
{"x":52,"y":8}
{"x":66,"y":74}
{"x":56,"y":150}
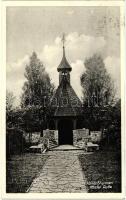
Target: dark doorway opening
{"x":65,"y":129}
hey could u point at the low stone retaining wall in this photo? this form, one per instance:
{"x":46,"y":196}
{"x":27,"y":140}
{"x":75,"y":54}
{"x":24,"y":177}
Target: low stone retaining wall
{"x":80,"y":137}
{"x":32,"y":137}
{"x":51,"y":136}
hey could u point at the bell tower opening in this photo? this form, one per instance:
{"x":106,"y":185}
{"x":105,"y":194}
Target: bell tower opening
{"x":64,"y":76}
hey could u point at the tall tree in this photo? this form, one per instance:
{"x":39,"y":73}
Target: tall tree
{"x":38,"y":87}
{"x":98,"y":88}
{"x":37,"y":92}
{"x":98,"y":92}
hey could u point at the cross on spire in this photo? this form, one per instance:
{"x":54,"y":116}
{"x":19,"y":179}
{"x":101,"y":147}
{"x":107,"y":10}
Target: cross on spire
{"x":63,"y":39}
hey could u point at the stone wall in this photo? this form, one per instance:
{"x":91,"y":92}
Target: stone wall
{"x":56,"y":136}
{"x":80,"y":137}
{"x":96,"y":136}
{"x":34,"y":137}
{"x":51,"y":135}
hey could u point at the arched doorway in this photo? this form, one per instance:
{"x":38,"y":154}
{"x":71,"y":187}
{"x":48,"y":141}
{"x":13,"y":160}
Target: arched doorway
{"x":65,"y":129}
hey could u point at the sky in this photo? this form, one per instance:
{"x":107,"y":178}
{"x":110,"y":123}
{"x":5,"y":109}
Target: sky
{"x":88,"y":30}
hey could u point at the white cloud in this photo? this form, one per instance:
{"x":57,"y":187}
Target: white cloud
{"x":77,"y":70}
{"x":78,"y":47}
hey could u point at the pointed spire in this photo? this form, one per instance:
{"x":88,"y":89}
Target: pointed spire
{"x":64,"y":65}
{"x":63,"y":40}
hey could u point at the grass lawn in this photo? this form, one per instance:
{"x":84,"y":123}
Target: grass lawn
{"x":102,"y":171}
{"x":21,"y":170}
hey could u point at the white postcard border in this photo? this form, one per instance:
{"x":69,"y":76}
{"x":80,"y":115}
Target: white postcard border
{"x":4,"y":4}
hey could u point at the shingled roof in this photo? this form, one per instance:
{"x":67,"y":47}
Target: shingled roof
{"x":64,"y":65}
{"x":65,"y":102}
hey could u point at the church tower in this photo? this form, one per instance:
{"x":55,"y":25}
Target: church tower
{"x":64,"y":68}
